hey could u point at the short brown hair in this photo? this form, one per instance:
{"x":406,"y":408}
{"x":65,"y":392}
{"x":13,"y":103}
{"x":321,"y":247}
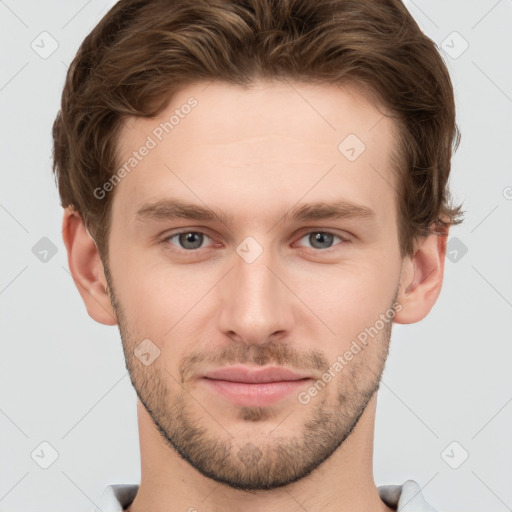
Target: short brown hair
{"x":143,"y":51}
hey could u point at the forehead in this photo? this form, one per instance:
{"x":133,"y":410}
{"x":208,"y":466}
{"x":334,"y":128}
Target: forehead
{"x":239,"y":148}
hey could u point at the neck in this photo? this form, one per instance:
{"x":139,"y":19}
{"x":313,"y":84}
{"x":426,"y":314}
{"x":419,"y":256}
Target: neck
{"x":343,"y":483}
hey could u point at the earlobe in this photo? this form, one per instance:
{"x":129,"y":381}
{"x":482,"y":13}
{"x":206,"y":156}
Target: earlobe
{"x":422,"y":278}
{"x":86,"y":268}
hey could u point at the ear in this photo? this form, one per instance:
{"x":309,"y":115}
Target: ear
{"x":422,"y":277}
{"x":87,"y":268}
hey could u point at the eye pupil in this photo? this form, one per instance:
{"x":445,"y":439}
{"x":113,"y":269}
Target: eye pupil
{"x":195,"y":239}
{"x":321,"y":238}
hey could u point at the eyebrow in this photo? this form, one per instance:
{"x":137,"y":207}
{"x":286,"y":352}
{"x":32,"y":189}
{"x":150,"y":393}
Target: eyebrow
{"x":171,"y":209}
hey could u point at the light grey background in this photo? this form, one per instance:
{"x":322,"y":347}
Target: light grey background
{"x":62,"y":376}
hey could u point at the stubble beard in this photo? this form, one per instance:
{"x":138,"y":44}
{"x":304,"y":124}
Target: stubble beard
{"x":201,"y":440}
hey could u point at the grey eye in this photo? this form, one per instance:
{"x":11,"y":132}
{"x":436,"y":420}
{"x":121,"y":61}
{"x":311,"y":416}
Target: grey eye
{"x":190,"y":240}
{"x":320,"y":239}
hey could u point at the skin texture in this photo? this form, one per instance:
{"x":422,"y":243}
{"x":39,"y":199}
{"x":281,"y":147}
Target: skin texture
{"x":254,"y":154}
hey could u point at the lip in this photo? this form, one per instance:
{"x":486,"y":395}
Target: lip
{"x":254,"y":387}
{"x":255,"y":375}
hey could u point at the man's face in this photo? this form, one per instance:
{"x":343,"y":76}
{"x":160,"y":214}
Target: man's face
{"x":261,"y":287}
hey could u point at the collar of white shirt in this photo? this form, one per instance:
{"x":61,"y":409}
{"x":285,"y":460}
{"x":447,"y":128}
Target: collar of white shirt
{"x":117,"y":497}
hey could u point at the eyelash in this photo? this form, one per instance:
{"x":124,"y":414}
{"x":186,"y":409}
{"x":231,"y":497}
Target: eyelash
{"x":194,"y":252}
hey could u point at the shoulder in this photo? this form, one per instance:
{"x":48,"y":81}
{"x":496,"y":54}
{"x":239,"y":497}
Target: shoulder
{"x":117,"y":497}
{"x":407,"y":496}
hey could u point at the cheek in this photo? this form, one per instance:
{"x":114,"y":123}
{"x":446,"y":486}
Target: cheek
{"x":167,"y":302}
{"x":349,"y":298}
{"x":163,"y":302}
{"x":147,"y":297}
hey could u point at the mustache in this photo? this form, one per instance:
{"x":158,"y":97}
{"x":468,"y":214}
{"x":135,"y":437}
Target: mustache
{"x":273,"y":352}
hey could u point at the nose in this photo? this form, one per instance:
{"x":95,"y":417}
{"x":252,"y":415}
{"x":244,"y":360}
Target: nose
{"x":256,"y":305}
